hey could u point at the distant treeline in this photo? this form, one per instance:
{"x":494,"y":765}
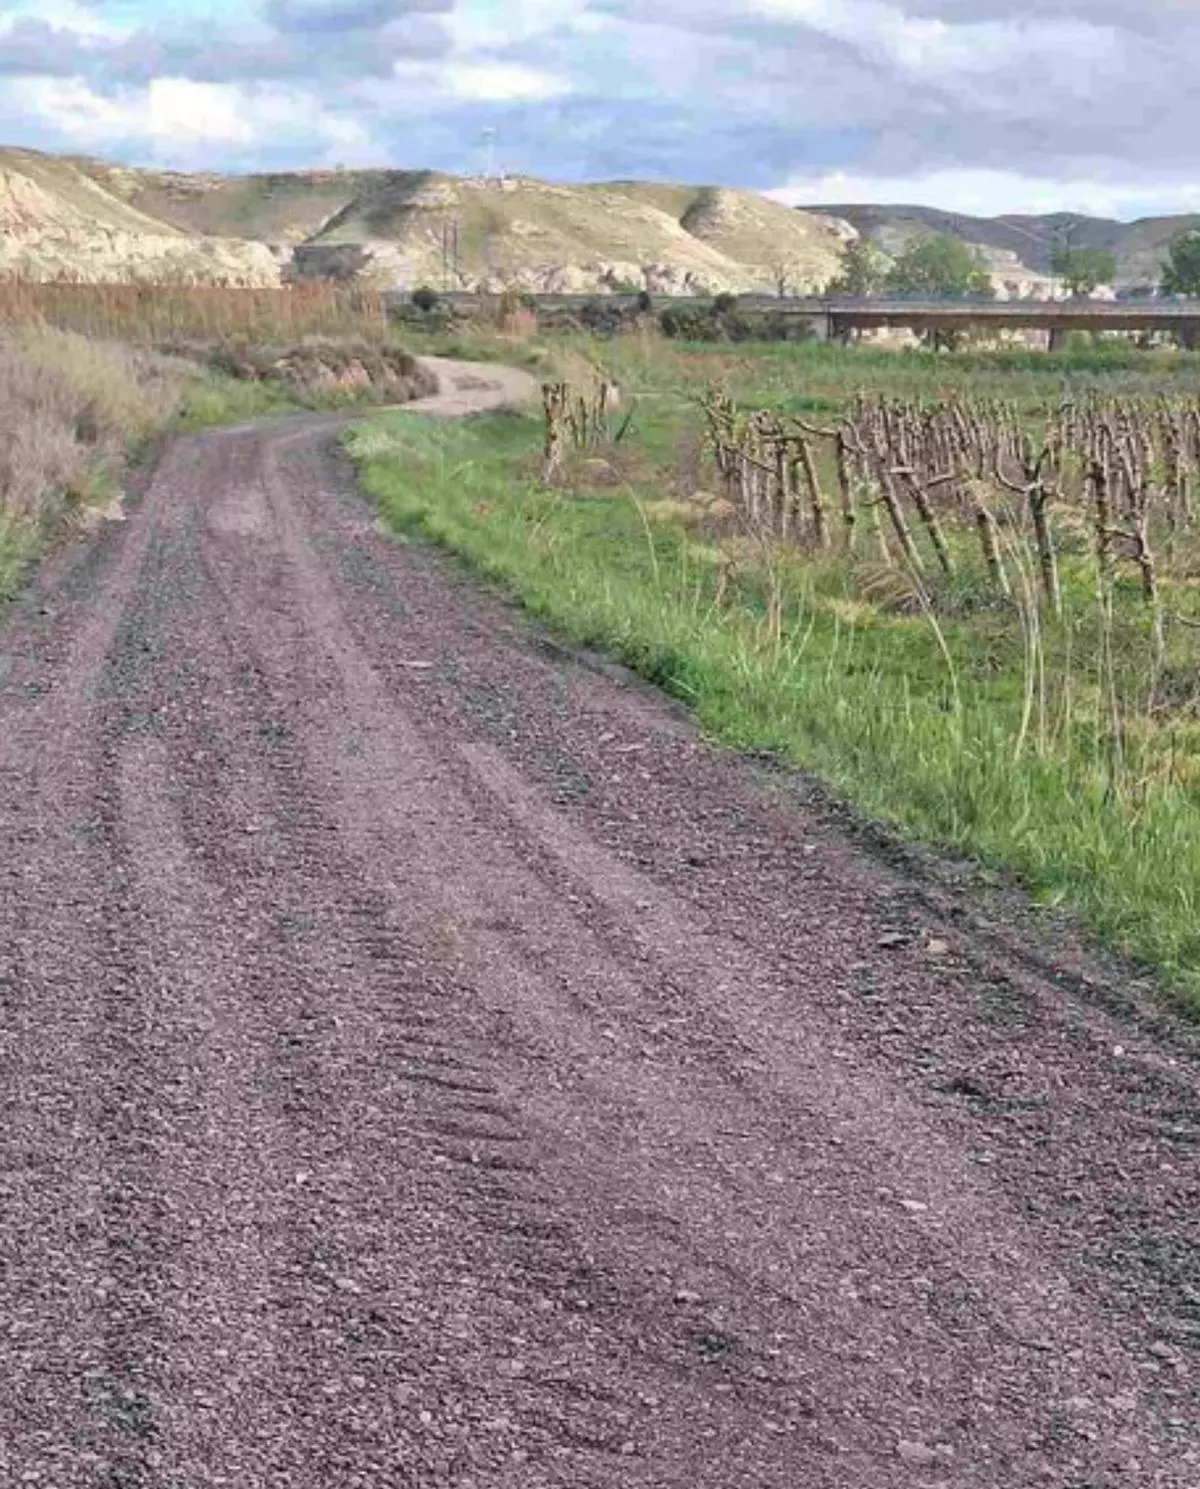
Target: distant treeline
{"x":723,"y":319}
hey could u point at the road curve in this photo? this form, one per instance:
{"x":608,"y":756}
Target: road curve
{"x":425,"y":1063}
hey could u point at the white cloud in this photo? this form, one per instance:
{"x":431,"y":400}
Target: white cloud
{"x":502,"y":82}
{"x":479,"y":25}
{"x":178,"y":120}
{"x":929,"y":47}
{"x":84,"y":20}
{"x":980,"y":104}
{"x":986,"y":193}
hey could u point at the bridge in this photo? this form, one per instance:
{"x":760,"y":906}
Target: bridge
{"x":836,"y":318}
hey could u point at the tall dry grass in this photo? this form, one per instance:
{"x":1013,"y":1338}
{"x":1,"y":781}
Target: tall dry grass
{"x":157,"y":314}
{"x":70,"y":408}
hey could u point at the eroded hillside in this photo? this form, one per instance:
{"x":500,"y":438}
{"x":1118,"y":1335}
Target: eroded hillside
{"x":57,"y":222}
{"x":76,"y":218}
{"x":90,"y":220}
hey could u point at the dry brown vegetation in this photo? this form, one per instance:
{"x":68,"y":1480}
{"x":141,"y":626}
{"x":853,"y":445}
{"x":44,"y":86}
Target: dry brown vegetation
{"x":70,"y":407}
{"x":160,"y":314}
{"x":87,"y":371}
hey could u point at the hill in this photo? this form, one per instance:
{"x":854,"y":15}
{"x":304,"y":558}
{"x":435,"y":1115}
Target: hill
{"x":86,"y":219}
{"x":58,"y":222}
{"x":413,"y":227}
{"x":95,"y":221}
{"x":1015,"y":241}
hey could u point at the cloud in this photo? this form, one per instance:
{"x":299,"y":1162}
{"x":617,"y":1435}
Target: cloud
{"x":1000,"y":102}
{"x":111,"y":62}
{"x":332,"y":17}
{"x":503,"y":82}
{"x":186,"y":121}
{"x":1062,"y":94}
{"x":977,"y":193}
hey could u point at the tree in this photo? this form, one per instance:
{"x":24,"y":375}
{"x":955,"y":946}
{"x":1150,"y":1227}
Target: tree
{"x":788,"y":278}
{"x":1082,"y":269}
{"x":862,"y":269}
{"x":1181,"y":272}
{"x":939,"y":267}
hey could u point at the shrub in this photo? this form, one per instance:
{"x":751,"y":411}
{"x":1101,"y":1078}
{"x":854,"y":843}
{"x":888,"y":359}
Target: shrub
{"x":683,"y":323}
{"x":686,"y":323}
{"x":602,"y":317}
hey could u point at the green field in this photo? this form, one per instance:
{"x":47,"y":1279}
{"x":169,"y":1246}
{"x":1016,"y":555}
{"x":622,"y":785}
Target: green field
{"x":1066,"y":749}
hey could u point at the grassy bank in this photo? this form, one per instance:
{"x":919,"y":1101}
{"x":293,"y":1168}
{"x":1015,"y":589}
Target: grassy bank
{"x":928,"y":723}
{"x":74,"y":409}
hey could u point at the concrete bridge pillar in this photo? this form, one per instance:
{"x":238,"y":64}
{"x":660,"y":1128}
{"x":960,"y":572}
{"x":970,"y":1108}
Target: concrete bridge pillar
{"x":837,"y":330}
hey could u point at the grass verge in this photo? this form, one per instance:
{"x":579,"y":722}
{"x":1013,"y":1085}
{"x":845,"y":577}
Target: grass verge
{"x":892,"y":713}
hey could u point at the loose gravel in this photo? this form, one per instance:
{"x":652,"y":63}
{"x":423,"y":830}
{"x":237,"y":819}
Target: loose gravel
{"x":424,"y":1061}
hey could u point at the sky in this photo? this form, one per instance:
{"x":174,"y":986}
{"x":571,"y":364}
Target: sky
{"x":975,"y":105}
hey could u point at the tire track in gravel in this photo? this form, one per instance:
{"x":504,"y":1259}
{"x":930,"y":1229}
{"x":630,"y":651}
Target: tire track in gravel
{"x":456,"y":1074}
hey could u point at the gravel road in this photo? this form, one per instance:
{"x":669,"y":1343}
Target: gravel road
{"x":424,"y":1062}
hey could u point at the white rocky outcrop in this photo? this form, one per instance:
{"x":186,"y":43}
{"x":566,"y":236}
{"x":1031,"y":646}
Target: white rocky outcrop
{"x":46,"y":238}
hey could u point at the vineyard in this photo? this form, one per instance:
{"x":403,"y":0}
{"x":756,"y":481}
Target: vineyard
{"x":911,"y":478}
{"x":1049,"y":554}
{"x":971,"y":611}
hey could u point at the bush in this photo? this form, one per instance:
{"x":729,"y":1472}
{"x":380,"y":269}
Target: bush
{"x":794,"y":328}
{"x":603,"y":317}
{"x":685,"y":323}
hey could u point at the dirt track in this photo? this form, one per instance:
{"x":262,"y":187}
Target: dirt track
{"x":425,"y":1063}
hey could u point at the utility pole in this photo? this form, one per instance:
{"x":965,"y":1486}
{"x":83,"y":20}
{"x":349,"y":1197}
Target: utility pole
{"x":1060,"y":237}
{"x":1062,"y":241}
{"x":489,"y":139}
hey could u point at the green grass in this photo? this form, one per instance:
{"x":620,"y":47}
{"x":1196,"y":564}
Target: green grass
{"x":20,"y":541}
{"x":211,"y":401}
{"x":770,"y":373}
{"x":917,"y":730}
